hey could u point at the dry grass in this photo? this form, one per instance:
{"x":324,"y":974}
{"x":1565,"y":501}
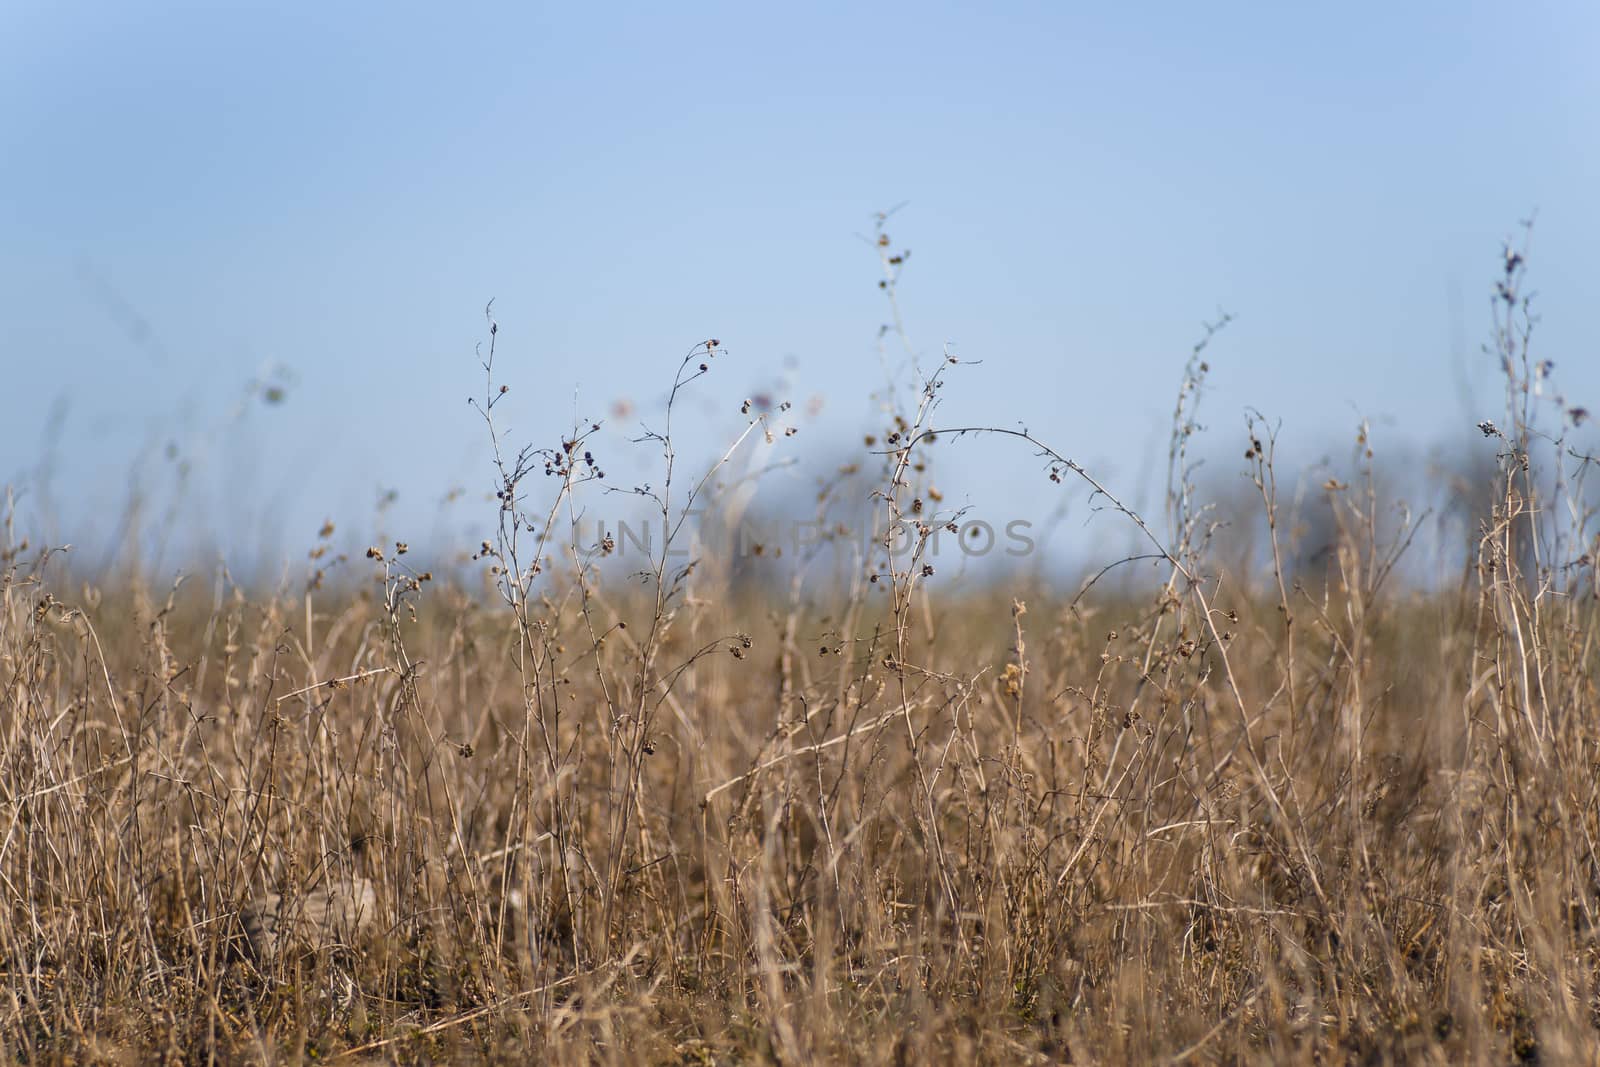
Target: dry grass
{"x":1222,"y":817}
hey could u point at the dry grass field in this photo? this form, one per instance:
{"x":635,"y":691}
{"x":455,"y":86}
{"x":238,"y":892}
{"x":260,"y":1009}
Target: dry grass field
{"x":1200,"y":813}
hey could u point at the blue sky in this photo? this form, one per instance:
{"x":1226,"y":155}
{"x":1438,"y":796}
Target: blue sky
{"x":197,"y":196}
